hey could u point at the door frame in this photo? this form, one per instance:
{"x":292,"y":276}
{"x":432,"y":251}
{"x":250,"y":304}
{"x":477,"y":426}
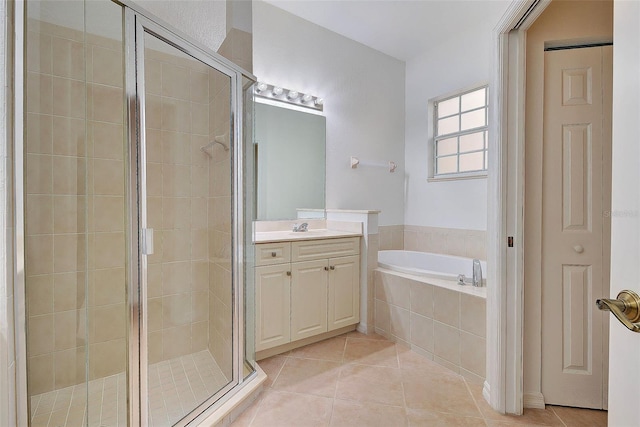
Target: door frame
{"x":503,"y":388}
{"x":504,"y":385}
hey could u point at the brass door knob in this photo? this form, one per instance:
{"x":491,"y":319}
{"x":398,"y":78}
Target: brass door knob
{"x":626,"y":308}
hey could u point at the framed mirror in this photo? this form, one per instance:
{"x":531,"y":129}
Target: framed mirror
{"x":290,"y":151}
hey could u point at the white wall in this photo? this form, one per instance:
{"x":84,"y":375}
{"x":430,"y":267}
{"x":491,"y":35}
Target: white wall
{"x":202,"y":20}
{"x":624,"y":374}
{"x":363,"y":91}
{"x":462,"y":62}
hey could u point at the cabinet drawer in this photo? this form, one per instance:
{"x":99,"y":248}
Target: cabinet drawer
{"x":273,"y":253}
{"x":330,"y":248}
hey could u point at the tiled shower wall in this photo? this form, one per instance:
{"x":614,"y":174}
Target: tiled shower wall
{"x":75,"y":216}
{"x":237,"y":47}
{"x":219,"y":235}
{"x":449,"y":241}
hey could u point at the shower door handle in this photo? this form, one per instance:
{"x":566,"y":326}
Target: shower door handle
{"x":147,"y":241}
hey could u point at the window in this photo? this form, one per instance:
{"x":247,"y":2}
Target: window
{"x":460,"y":134}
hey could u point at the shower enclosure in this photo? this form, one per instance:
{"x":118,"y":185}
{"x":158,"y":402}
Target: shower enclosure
{"x":135,"y":251}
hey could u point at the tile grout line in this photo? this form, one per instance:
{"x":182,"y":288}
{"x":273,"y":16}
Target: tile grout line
{"x":279,"y":371}
{"x":190,"y":356}
{"x":66,"y":418}
{"x":475,"y":401}
{"x":335,"y":389}
{"x":51,"y":412}
{"x":557,"y":416}
{"x":259,"y":405}
{"x":404,"y":395}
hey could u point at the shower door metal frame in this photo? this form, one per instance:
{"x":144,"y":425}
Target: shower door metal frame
{"x":137,"y":24}
{"x":19,"y":292}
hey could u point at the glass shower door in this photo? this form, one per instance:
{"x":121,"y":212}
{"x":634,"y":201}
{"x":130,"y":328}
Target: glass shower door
{"x":188,"y":158}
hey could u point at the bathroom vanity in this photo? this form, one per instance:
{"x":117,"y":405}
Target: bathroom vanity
{"x":307,"y":287}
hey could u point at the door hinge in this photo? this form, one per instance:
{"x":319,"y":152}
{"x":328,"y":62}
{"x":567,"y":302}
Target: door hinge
{"x":510,"y":241}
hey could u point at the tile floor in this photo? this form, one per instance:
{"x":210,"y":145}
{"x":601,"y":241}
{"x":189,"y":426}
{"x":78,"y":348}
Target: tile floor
{"x":361,"y":380}
{"x":175,"y":387}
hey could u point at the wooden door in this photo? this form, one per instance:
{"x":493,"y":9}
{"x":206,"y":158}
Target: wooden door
{"x":576,"y":228}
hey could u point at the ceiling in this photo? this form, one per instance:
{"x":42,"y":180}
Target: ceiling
{"x":399,"y":28}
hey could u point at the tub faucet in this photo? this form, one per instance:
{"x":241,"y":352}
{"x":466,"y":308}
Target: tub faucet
{"x":301,"y":228}
{"x":477,"y":273}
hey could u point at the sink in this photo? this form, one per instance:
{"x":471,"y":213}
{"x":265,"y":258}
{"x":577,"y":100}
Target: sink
{"x":302,"y":233}
{"x":284,"y":235}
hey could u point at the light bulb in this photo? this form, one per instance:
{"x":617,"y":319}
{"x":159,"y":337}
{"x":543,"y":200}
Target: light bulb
{"x":293,"y":95}
{"x":277,"y":91}
{"x":261,"y":87}
{"x":319,"y":101}
{"x":307,"y":98}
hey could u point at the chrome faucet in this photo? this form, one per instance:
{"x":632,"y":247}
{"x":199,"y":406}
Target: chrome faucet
{"x":301,"y":228}
{"x":477,"y":273}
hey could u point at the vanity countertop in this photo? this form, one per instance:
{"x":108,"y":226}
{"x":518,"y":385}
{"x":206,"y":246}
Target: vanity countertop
{"x":312,"y":234}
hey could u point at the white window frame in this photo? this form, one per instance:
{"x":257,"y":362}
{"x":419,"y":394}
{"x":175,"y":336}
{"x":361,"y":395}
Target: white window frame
{"x":432,"y":129}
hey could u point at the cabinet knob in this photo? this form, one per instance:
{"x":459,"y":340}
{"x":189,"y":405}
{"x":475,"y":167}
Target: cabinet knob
{"x":333,"y":267}
{"x":273,"y":254}
{"x":326,"y":268}
{"x":288,"y":273}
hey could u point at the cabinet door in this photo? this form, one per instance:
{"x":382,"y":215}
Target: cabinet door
{"x":273,"y":297}
{"x":308,"y":298}
{"x":344,"y":291}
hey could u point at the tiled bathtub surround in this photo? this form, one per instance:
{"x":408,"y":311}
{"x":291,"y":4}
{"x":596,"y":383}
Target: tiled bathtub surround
{"x":391,"y":237}
{"x":449,"y":241}
{"x":446,"y":326}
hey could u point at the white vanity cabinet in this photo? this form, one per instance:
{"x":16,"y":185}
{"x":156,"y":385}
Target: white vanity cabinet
{"x":305,"y":288}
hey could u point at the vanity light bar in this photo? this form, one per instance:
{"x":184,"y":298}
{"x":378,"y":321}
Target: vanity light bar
{"x":289,"y":96}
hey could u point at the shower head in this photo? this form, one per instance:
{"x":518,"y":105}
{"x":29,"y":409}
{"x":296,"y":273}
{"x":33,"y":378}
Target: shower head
{"x":220,"y":139}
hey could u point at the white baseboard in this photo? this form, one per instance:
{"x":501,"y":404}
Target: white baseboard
{"x":486,"y":392}
{"x":533,"y":400}
{"x":362,"y":328}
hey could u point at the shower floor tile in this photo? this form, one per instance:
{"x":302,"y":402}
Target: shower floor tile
{"x":175,"y":387}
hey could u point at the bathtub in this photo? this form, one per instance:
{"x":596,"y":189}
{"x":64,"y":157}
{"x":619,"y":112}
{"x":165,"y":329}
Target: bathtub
{"x":419,"y":303}
{"x":436,"y":266}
